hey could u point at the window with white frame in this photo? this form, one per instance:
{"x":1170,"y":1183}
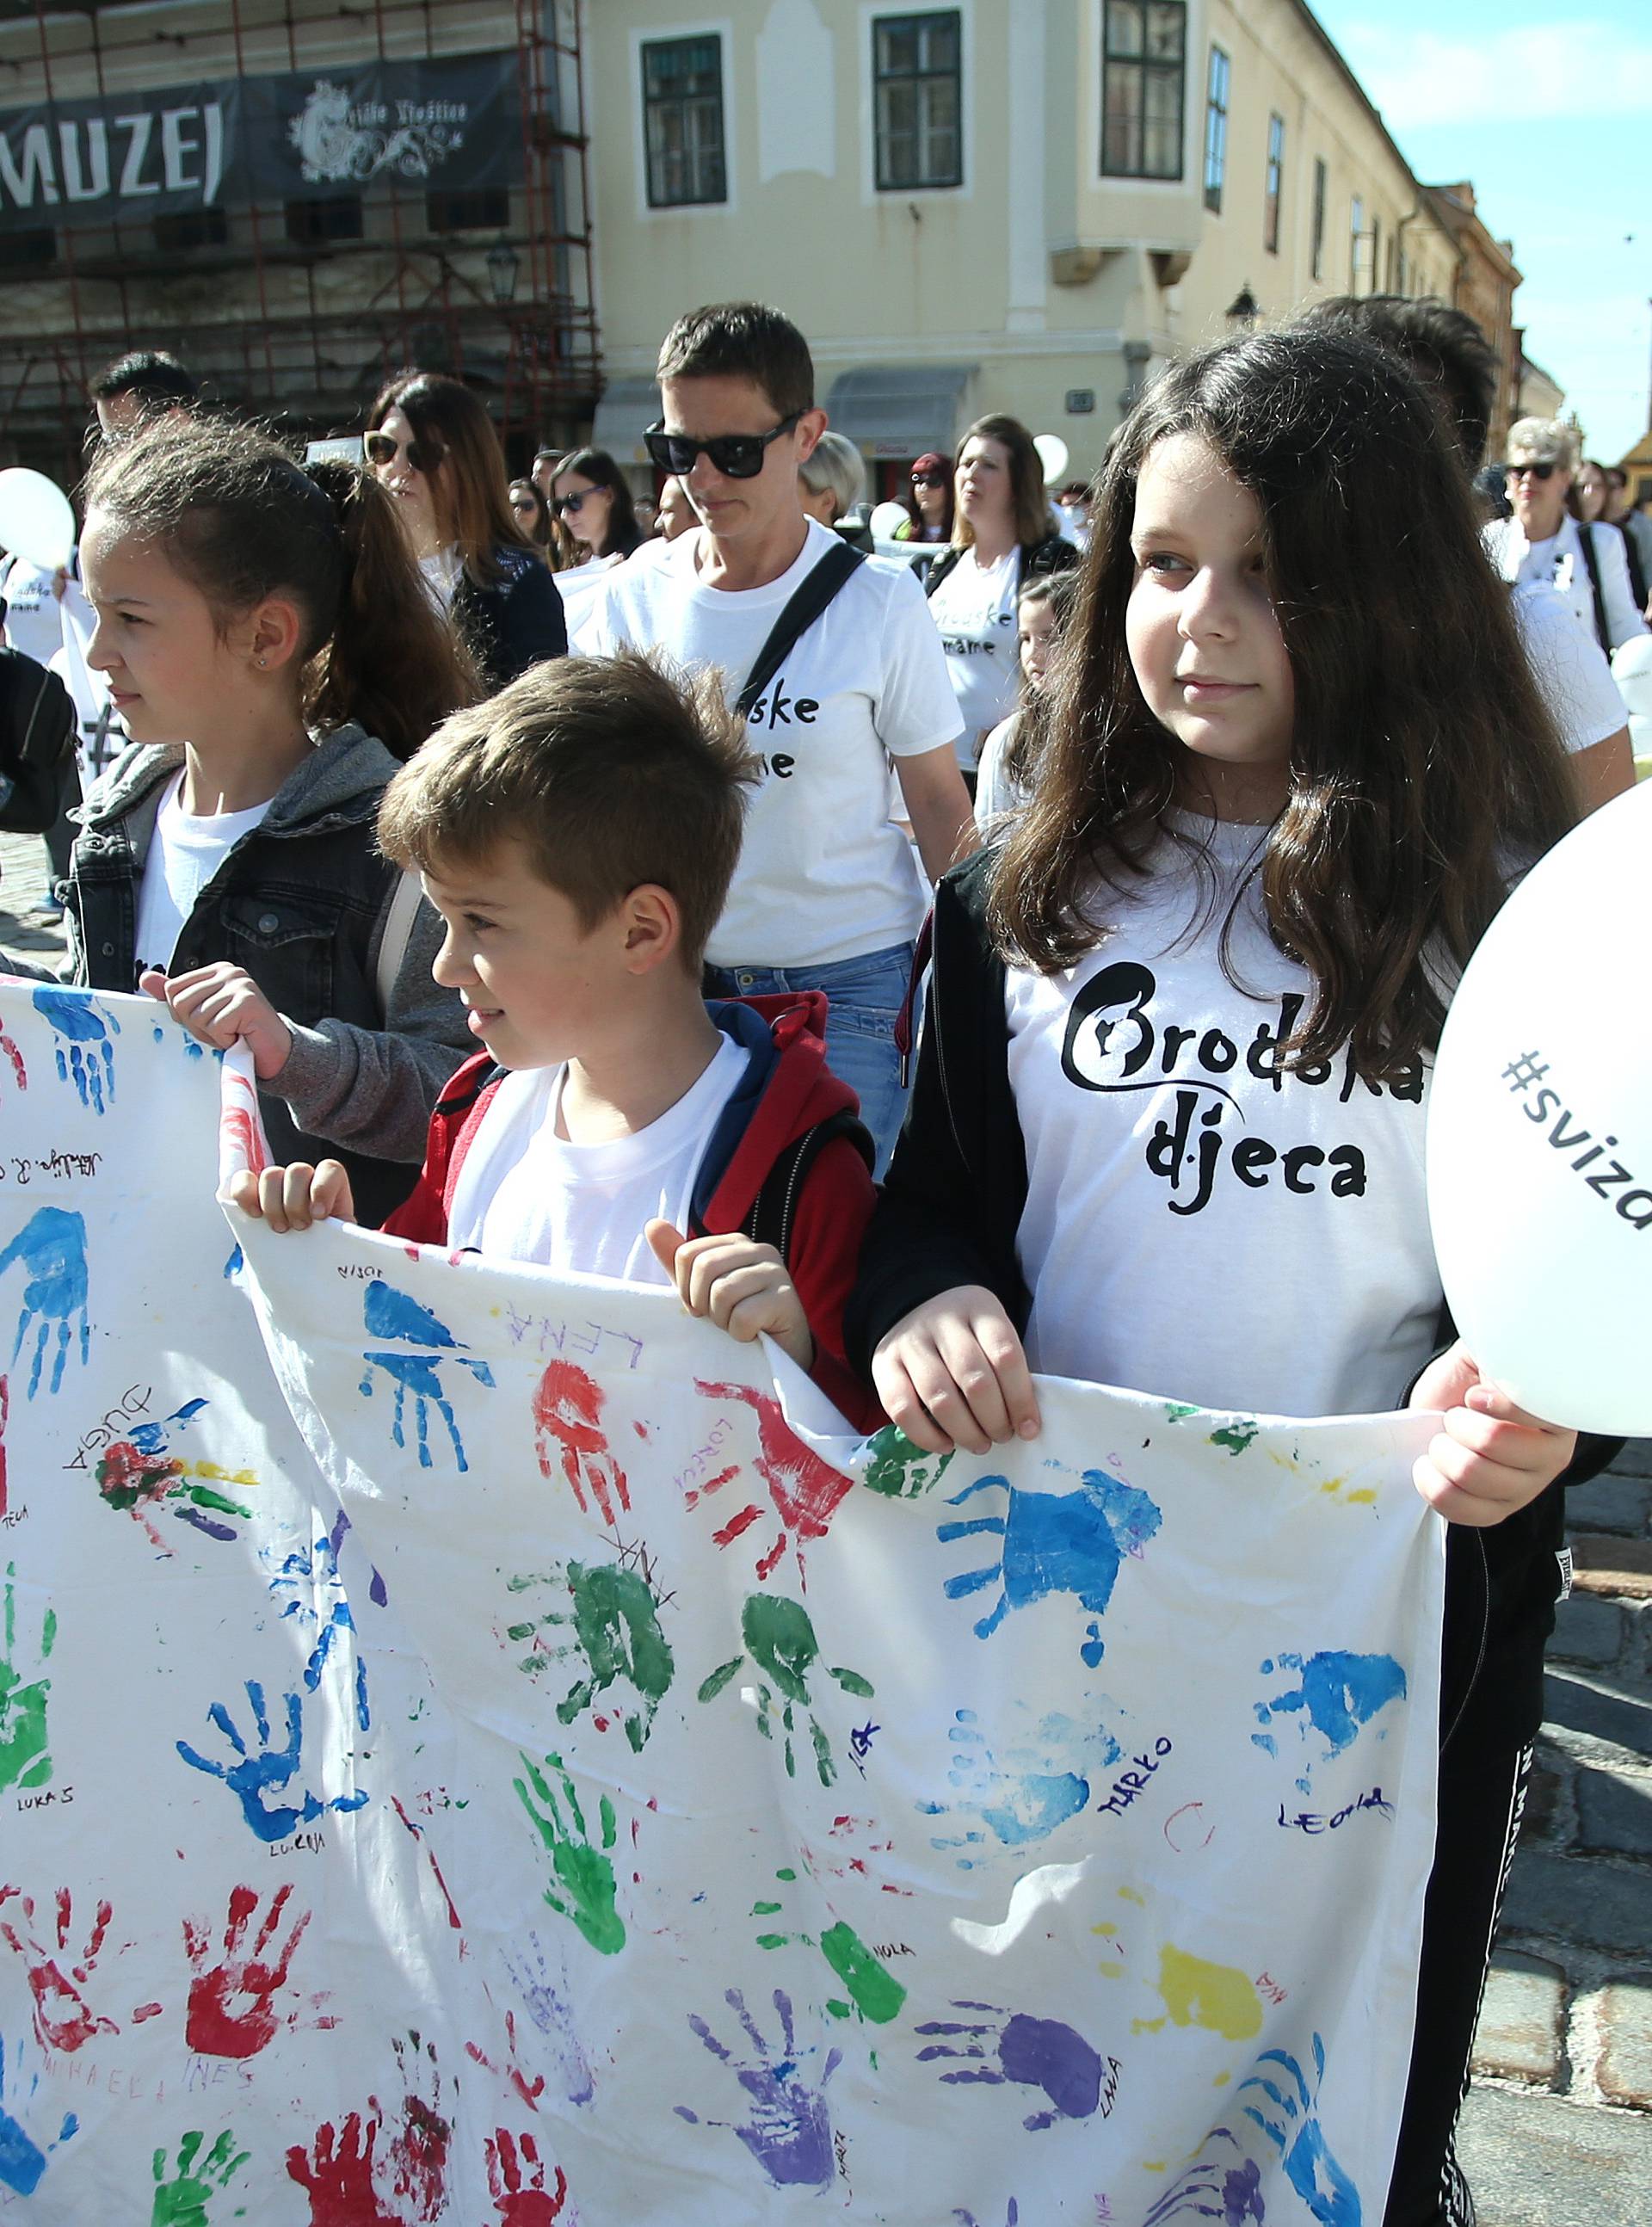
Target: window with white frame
{"x":1143,"y":87}
{"x":918,"y":99}
{"x":682,"y":121}
{"x":1215,"y":127}
{"x":1317,"y":262}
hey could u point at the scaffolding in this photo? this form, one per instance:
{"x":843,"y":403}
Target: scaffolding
{"x":258,"y":314}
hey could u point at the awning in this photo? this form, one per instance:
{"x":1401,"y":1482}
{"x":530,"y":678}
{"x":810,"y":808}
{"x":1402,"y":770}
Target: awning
{"x":899,"y":410}
{"x":627,"y":407}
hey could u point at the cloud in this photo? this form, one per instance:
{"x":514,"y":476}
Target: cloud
{"x":1517,"y":75}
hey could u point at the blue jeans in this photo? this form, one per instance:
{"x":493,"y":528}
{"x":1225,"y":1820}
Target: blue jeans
{"x":864,"y":995}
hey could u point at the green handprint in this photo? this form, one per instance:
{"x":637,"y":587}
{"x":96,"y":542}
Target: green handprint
{"x":781,"y":1642}
{"x":899,"y":1470}
{"x":182,"y":2201}
{"x":615,"y":1628}
{"x":24,"y":1758}
{"x":584,"y":1888}
{"x":874,"y":1992}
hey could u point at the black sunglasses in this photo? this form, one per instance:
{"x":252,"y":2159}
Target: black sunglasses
{"x":564,"y":503}
{"x":1537,"y":471}
{"x":929,"y":479}
{"x":737,"y":456}
{"x":381,"y":449}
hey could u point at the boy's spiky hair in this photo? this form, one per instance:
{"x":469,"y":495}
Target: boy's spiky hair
{"x":612,"y":771}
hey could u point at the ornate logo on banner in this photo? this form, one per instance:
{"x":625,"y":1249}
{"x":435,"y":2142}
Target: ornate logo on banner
{"x":338,"y":139}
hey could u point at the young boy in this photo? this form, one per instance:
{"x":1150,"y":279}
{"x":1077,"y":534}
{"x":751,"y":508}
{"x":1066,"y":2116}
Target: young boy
{"x":577,"y":834}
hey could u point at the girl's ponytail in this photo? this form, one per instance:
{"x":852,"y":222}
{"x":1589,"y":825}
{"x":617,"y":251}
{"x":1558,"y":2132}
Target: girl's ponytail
{"x":394,"y":664}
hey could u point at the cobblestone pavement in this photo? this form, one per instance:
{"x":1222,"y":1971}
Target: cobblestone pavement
{"x":1558,"y":2129}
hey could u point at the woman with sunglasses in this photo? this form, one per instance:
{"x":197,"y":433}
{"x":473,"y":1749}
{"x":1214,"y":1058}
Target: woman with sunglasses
{"x":1003,"y":536}
{"x":593,"y":502}
{"x":435,"y":453}
{"x":928,"y":500}
{"x":1543,"y":542}
{"x":533,"y":513}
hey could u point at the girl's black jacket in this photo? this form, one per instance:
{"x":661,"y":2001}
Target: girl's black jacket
{"x":948,"y":1213}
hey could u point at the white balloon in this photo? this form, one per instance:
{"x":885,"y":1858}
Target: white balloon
{"x":36,"y":520}
{"x":1540,"y":1133}
{"x":1052,"y":454}
{"x":888,"y":519}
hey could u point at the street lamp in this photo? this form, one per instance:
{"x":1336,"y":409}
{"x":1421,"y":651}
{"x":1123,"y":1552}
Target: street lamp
{"x":503,"y":264}
{"x":1243,"y":312}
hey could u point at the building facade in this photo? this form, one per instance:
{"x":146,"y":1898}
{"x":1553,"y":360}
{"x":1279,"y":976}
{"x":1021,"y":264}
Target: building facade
{"x":1018,"y":205}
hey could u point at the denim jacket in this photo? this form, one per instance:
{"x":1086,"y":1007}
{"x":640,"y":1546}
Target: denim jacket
{"x":300,"y":901}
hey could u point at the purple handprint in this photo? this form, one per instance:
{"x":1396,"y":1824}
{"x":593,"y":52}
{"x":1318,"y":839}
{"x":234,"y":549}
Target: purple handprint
{"x":789,"y":2132}
{"x":1210,"y":2190}
{"x":1031,"y":2052}
{"x":51,"y":1246}
{"x":259,"y":1772}
{"x":544,"y":1998}
{"x":81,"y":1029}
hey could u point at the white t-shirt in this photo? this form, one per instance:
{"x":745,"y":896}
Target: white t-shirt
{"x":1199,"y":1226}
{"x":974,"y":609}
{"x":441,"y":569}
{"x":824,"y":875}
{"x":102,"y":736}
{"x":1559,"y":562}
{"x":34,"y":622}
{"x":523,"y":1193}
{"x":1569,"y":666}
{"x":185,"y":852}
{"x":997,"y":794}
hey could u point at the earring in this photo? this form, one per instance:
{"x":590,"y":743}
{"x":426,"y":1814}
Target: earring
{"x":262,"y":661}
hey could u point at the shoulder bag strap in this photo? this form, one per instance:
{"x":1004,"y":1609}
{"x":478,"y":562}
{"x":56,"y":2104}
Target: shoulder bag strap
{"x":1586,"y":537}
{"x":393,"y":944}
{"x":804,"y":606}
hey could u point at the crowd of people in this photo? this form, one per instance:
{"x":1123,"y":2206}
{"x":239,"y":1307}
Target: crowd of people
{"x":1195,"y":792}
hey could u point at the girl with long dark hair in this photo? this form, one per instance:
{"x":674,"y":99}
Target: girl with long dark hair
{"x":1166,"y":1130}
{"x":434,"y":449}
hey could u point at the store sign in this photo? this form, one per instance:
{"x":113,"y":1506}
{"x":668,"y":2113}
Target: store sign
{"x":129,"y":157}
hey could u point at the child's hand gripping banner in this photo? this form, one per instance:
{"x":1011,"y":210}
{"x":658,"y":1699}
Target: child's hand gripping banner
{"x":464,"y":1755}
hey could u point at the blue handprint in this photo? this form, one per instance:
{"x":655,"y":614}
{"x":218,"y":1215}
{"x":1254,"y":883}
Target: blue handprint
{"x":789,"y":2132}
{"x":391,"y":1313}
{"x":23,"y":2161}
{"x":1068,"y":1542}
{"x":1020,"y":1800}
{"x":51,"y":1246}
{"x":300,"y":1577}
{"x":1337,"y":1695}
{"x":1294,"y":2129}
{"x":259,"y":1772}
{"x":81,"y":1029}
{"x":1231,"y":2194}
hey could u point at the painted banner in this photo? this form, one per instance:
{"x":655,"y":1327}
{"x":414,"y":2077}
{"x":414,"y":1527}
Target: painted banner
{"x":470,"y":1750}
{"x":454,"y":124}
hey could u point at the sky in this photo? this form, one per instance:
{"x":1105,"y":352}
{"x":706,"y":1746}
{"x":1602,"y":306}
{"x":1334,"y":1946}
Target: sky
{"x":1547,"y":109}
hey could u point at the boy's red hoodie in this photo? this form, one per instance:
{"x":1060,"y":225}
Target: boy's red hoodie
{"x":787,"y":1091}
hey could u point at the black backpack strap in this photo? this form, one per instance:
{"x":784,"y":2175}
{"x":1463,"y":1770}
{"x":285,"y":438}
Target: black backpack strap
{"x":804,"y":607}
{"x":939,"y":569}
{"x":774,"y":1211}
{"x":1585,"y":535}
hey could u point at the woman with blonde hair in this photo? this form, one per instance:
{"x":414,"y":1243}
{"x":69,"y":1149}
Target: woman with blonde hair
{"x":434,"y":449}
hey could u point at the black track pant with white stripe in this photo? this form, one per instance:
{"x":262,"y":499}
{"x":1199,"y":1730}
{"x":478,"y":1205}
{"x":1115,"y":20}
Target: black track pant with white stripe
{"x":1480,"y":1799}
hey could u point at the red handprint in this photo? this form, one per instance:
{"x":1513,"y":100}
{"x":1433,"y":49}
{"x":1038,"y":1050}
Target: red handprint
{"x":9,"y":1046}
{"x":419,"y":2150}
{"x":529,"y":2091}
{"x":336,"y":2171}
{"x":567,"y":1408}
{"x":63,"y":2019}
{"x":522,"y":2201}
{"x":232,"y":2010}
{"x":806,"y":1491}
